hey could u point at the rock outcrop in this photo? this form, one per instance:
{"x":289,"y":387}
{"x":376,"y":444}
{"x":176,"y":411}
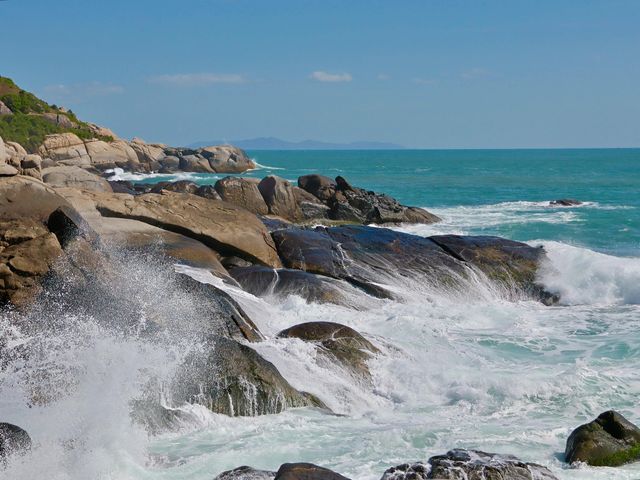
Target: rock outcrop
{"x":337,"y":342}
{"x":235,"y":380}
{"x":246,"y":473}
{"x":74,"y":177}
{"x":306,"y":471}
{"x":280,"y":197}
{"x":609,"y":440}
{"x":242,"y":192}
{"x":477,"y":465}
{"x":408,"y":471}
{"x":228,"y":229}
{"x":351,"y":204}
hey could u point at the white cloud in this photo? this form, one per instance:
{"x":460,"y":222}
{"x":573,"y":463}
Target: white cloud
{"x":198,"y":79}
{"x":321,"y":76}
{"x":82,"y":90}
{"x":476,"y":72}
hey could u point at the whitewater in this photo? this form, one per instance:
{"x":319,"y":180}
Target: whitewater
{"x":471,"y":369}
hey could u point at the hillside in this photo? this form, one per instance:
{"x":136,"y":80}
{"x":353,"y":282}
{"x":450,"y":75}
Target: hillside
{"x":26,"y":119}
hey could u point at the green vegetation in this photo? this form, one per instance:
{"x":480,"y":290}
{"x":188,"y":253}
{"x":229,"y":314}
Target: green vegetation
{"x":27,"y":125}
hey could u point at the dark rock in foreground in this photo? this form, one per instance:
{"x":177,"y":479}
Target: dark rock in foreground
{"x":13,"y":440}
{"x":246,"y":473}
{"x":306,"y":471}
{"x":462,"y":464}
{"x":609,"y":440}
{"x":338,"y":342}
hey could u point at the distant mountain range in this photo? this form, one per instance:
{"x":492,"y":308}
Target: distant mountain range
{"x":272,"y":143}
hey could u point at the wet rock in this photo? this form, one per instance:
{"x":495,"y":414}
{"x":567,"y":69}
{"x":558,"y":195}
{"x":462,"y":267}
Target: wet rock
{"x":476,"y":465}
{"x":280,"y":198}
{"x":233,"y":379}
{"x":565,"y":202}
{"x":319,"y":186}
{"x":512,"y":264}
{"x":609,"y":440}
{"x":407,"y":471}
{"x":367,"y":257}
{"x":13,"y":440}
{"x":261,"y":281}
{"x":122,"y":186}
{"x":242,"y":192}
{"x":306,"y":471}
{"x":246,"y":473}
{"x":74,"y":177}
{"x":419,"y":215}
{"x":338,"y":342}
{"x":170,"y":164}
{"x":228,"y":229}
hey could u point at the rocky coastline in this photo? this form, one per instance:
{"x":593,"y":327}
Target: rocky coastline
{"x":67,"y":232}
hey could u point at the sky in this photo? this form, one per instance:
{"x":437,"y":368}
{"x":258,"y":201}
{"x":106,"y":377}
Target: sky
{"x":424,"y":74}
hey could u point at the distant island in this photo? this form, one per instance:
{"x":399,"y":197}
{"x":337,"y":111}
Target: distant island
{"x":272,"y":143}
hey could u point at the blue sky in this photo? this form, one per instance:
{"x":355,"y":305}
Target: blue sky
{"x":432,"y":74}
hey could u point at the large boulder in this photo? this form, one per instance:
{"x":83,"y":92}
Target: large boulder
{"x":147,"y":153}
{"x":227,"y":159}
{"x":74,"y":177}
{"x":29,"y":251}
{"x":368,"y":257}
{"x":13,"y":440}
{"x":243,"y":192}
{"x":228,"y":229}
{"x":110,"y":155}
{"x":306,"y":471}
{"x":476,"y":465}
{"x":337,"y":342}
{"x":513,"y":265}
{"x":22,"y":197}
{"x":280,"y":197}
{"x":235,"y":380}
{"x":246,"y":473}
{"x":319,"y":186}
{"x":609,"y":440}
{"x":195,"y":163}
{"x":4,"y":110}
{"x":66,"y":149}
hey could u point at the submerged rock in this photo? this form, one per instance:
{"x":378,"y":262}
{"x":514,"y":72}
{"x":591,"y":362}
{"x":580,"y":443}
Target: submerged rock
{"x":13,"y":440}
{"x":306,"y":471}
{"x":462,"y":464}
{"x":565,"y":202}
{"x":233,"y":379}
{"x":246,"y":473}
{"x":338,"y":342}
{"x":609,"y":440}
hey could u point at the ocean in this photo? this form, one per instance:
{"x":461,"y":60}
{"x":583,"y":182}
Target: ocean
{"x":460,"y":369}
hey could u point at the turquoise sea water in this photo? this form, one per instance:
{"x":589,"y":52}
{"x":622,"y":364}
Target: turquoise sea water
{"x":465,"y":369}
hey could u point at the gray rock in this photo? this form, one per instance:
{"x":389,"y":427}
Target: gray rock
{"x":75,"y":177}
{"x":246,"y":473}
{"x":319,"y":186}
{"x":280,"y":197}
{"x":609,"y":440}
{"x":242,"y":192}
{"x":4,"y":110}
{"x":306,"y":471}
{"x":462,"y":464}
{"x":407,"y":471}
